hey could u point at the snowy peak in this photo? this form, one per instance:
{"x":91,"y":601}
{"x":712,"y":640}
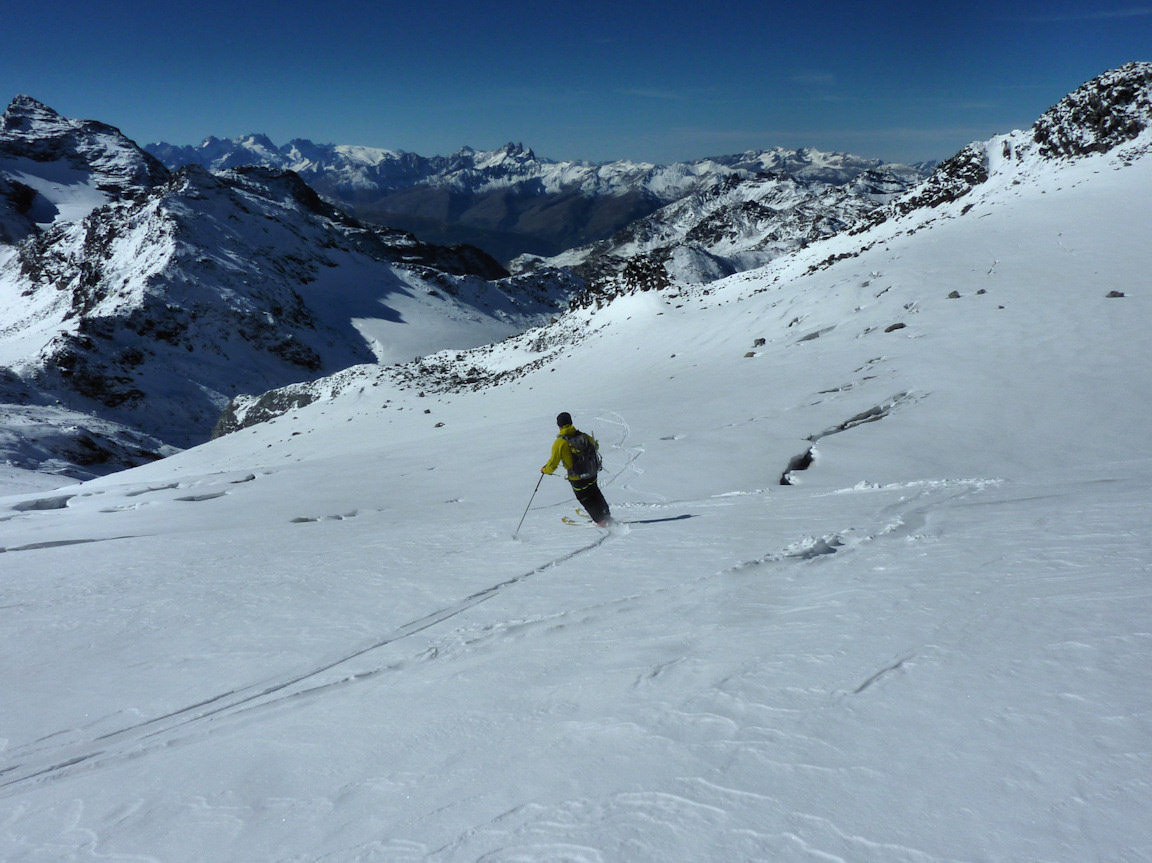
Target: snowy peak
{"x":55,"y":169}
{"x":24,"y":112}
{"x":481,"y":171}
{"x":31,"y":129}
{"x":509,"y":155}
{"x":1108,"y":111}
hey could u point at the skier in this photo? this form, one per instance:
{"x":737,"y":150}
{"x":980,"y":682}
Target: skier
{"x":579,"y":453}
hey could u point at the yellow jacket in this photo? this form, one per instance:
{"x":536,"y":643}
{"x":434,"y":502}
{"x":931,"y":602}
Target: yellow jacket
{"x":562,"y":452}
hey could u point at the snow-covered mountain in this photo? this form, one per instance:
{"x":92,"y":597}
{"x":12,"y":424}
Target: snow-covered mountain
{"x":58,"y":170}
{"x":510,"y":201}
{"x":352,"y":169}
{"x":736,"y":221}
{"x":148,"y":298}
{"x":323,"y":637}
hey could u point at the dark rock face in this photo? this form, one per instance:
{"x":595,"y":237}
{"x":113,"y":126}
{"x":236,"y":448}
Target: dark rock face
{"x":953,"y":179}
{"x":1104,"y":113}
{"x":268,"y":406}
{"x":16,"y":201}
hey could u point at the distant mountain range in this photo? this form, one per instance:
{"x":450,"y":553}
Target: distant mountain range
{"x":736,"y":221}
{"x":509,"y":201}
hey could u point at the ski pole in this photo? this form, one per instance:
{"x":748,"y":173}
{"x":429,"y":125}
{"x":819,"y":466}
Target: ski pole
{"x":514,"y":533}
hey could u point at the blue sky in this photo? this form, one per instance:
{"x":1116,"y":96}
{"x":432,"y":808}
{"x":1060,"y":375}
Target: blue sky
{"x":653,"y":81}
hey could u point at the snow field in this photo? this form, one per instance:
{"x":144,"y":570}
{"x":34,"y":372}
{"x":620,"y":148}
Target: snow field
{"x":903,"y":697}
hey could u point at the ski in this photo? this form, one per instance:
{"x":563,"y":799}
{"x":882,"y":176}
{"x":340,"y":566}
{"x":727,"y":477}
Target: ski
{"x":656,"y":520}
{"x":580,"y":522}
{"x":582,"y":519}
{"x":585,"y":521}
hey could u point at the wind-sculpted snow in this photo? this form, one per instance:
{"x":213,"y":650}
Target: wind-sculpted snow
{"x":45,"y":763}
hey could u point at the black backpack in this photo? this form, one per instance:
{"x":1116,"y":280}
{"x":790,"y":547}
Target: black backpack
{"x":586,"y":462}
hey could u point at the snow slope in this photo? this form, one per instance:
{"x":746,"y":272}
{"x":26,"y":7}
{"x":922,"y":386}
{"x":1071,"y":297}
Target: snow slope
{"x":316,"y":638}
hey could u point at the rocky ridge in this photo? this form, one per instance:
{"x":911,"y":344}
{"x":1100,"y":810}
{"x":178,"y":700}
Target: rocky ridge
{"x":734,"y":223}
{"x":1106,"y":113}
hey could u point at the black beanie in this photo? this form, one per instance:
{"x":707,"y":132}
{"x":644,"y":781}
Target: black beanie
{"x":564,"y":419}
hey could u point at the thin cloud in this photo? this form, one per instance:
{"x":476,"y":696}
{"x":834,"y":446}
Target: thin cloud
{"x":813,"y":79}
{"x":653,"y":93}
{"x":1092,"y":15}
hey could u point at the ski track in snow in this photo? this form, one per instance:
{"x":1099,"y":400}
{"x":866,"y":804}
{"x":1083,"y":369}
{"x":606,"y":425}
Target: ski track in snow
{"x":44,"y":764}
{"x":632,"y":453}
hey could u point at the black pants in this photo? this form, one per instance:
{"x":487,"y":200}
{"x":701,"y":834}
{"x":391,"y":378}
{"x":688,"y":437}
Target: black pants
{"x":591,"y":498}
